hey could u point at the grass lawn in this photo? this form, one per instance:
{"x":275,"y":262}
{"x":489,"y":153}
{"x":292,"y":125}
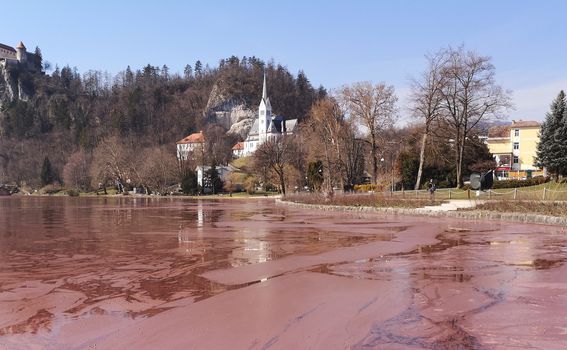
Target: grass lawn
{"x":553,"y":208}
{"x":361,"y":199}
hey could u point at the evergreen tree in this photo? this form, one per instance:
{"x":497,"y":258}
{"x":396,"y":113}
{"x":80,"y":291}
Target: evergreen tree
{"x":552,"y":147}
{"x":212,"y":180}
{"x":38,"y":58}
{"x":47,"y":174}
{"x":198,"y":68}
{"x":188,"y":72}
{"x":189,"y":183}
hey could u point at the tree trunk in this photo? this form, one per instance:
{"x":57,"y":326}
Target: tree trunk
{"x":374,"y":160}
{"x":460,"y":163}
{"x":282,"y":182}
{"x":329,"y":176}
{"x":421,"y":160}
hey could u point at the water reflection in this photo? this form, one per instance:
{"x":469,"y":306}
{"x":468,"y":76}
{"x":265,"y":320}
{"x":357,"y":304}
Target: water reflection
{"x":64,"y":260}
{"x":134,"y":257}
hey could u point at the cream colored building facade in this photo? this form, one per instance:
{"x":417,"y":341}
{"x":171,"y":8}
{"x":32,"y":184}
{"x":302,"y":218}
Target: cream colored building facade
{"x":514,"y":148}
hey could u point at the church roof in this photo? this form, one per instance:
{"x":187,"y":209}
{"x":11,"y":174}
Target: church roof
{"x":279,"y":125}
{"x":6,"y":47}
{"x":197,"y":137}
{"x":265,"y":97}
{"x":238,"y":147}
{"x":21,"y":46}
{"x":254,"y":128}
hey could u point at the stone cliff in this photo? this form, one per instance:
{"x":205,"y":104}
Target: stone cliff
{"x":229,"y":111}
{"x":13,"y":84}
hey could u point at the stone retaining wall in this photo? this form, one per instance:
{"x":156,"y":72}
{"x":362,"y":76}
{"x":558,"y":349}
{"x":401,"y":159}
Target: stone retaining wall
{"x":469,"y":214}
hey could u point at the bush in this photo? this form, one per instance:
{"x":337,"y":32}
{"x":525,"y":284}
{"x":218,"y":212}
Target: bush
{"x":73,"y":193}
{"x":520,"y":183}
{"x":50,"y":189}
{"x":357,"y":200}
{"x":368,"y":188}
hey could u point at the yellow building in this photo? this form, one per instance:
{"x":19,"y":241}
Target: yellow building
{"x":514,"y":148}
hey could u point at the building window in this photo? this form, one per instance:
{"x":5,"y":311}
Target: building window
{"x":516,"y":132}
{"x":516,"y":160}
{"x":516,"y":145}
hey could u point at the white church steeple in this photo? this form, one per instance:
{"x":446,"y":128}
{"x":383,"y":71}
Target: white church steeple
{"x":264,"y":113}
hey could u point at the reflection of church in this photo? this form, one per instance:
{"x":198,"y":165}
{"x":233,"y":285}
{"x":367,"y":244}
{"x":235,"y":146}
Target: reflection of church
{"x":267,"y":126}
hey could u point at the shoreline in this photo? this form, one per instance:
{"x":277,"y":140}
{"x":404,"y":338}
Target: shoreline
{"x":469,"y":215}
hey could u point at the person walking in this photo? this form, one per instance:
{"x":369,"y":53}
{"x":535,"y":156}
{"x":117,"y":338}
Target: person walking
{"x":431,"y":188}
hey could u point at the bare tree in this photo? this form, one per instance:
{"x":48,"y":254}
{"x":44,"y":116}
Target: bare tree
{"x":353,"y":150}
{"x":374,"y":107}
{"x":218,"y":146}
{"x":159,"y":172}
{"x":277,"y":155}
{"x":427,"y":101}
{"x":325,"y":123}
{"x":110,"y":162}
{"x":470,"y":95}
{"x":76,"y":171}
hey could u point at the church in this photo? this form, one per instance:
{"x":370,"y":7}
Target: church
{"x":265,"y":127}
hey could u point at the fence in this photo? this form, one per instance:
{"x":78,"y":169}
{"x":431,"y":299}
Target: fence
{"x":505,"y":193}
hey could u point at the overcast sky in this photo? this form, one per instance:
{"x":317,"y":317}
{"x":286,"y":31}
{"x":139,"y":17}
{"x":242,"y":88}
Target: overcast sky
{"x":334,"y":42}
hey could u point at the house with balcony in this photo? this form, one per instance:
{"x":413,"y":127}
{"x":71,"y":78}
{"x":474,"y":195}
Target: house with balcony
{"x":514,"y":149}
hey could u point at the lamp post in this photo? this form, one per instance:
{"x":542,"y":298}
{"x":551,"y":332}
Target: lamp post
{"x":382,"y":163}
{"x":392,"y":170}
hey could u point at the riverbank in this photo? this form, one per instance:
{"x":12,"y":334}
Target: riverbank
{"x":472,"y":214}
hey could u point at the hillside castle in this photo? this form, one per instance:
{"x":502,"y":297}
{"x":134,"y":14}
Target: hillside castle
{"x":15,"y":68}
{"x":18,"y":56}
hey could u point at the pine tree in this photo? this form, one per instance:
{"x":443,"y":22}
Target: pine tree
{"x":189,"y":183}
{"x":552,"y":147}
{"x":47,"y":175}
{"x":213,"y":180}
{"x":188,"y":71}
{"x":198,"y":68}
{"x":38,"y":58}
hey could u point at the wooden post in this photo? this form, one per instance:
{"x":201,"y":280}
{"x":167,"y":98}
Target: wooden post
{"x":515,"y":193}
{"x":544,"y":189}
{"x":416,"y":194}
{"x":469,"y":193}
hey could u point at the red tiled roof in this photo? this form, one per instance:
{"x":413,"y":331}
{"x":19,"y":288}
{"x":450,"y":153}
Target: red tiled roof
{"x":499,"y":131}
{"x":21,"y":46}
{"x":197,"y":137}
{"x":525,"y":124}
{"x":238,"y":147}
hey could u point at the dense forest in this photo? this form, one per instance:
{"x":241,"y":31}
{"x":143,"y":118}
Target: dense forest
{"x":68,"y":113}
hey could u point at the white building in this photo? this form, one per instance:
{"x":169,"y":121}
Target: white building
{"x":265,"y":127}
{"x":193,"y":144}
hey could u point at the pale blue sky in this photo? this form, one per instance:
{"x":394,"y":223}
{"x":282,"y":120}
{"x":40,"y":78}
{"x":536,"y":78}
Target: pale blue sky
{"x":334,"y":42}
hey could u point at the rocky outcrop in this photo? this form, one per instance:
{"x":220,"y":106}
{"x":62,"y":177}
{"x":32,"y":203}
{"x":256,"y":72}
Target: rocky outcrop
{"x":14,"y":82}
{"x":229,"y":111}
{"x":9,"y":87}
